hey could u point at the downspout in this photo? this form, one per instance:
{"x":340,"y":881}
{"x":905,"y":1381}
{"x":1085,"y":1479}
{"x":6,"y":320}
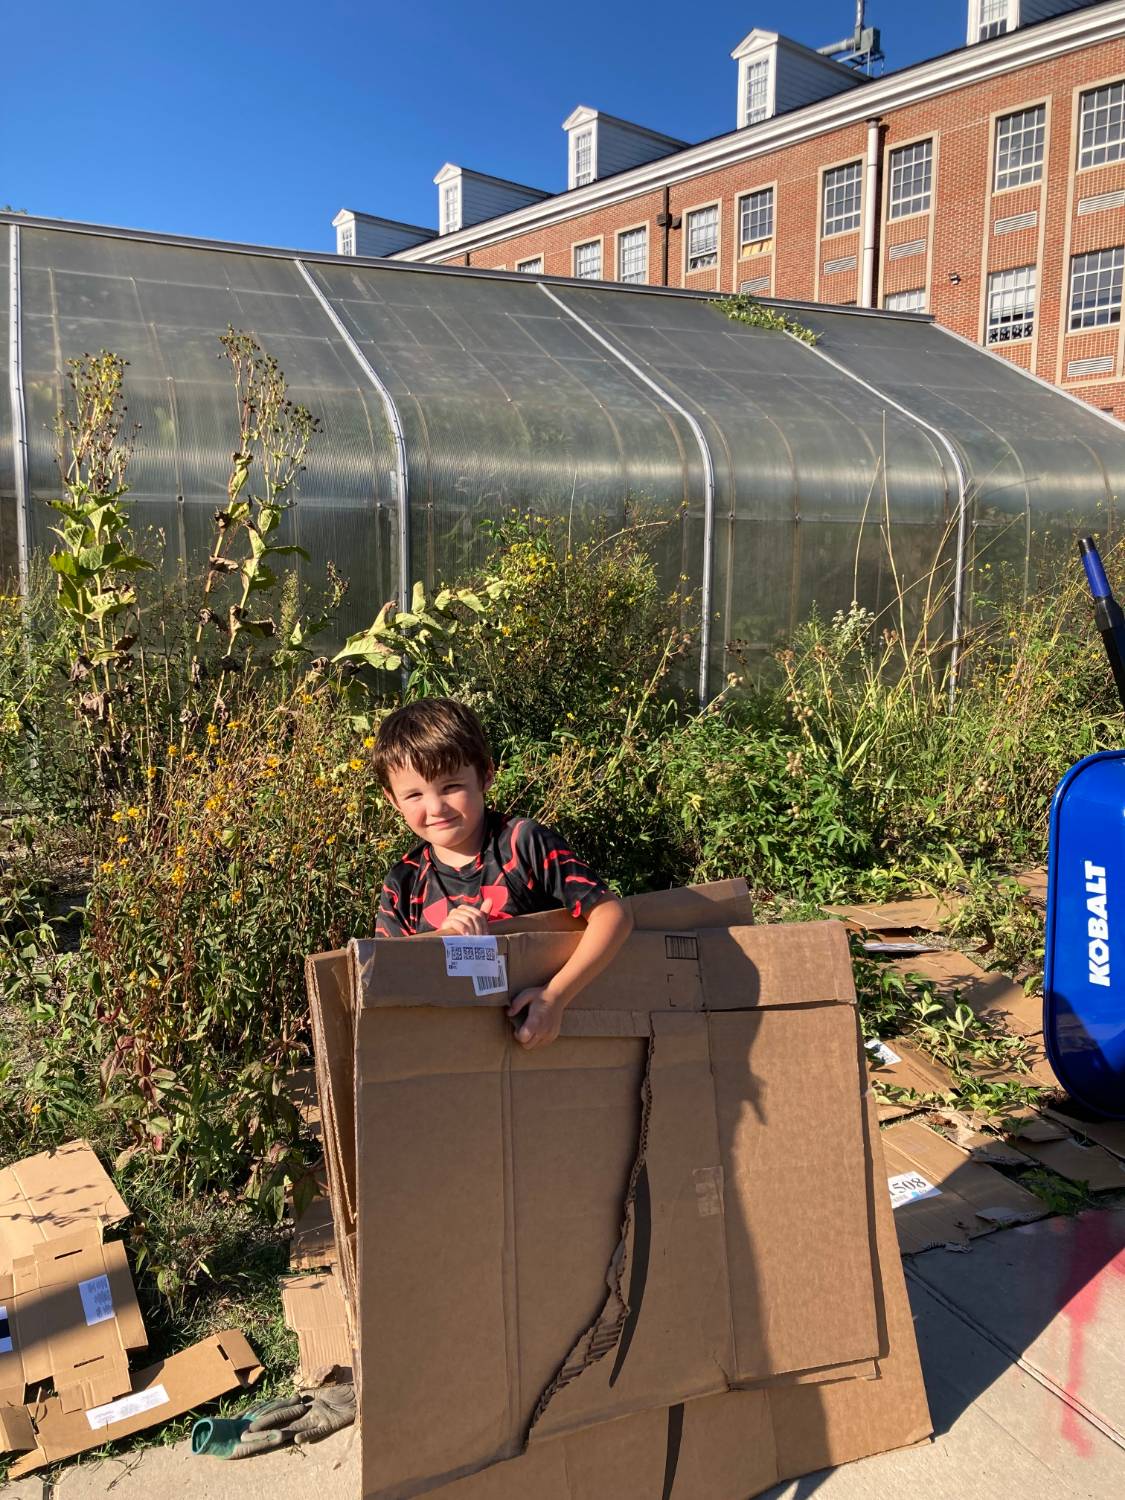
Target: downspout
{"x":871,"y":189}
{"x":664,"y":219}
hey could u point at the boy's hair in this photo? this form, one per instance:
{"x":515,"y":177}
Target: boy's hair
{"x":432,"y":737}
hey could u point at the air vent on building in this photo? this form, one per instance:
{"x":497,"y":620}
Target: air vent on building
{"x":1102,"y":364}
{"x":844,"y":263}
{"x":758,"y":284}
{"x":1017,"y":221}
{"x":910,"y":247}
{"x":1101,"y":200}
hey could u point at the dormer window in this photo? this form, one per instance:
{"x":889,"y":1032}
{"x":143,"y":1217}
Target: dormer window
{"x":583,"y":157}
{"x":757,"y":88}
{"x":450,"y":207}
{"x":989,"y":18}
{"x":347,"y":240}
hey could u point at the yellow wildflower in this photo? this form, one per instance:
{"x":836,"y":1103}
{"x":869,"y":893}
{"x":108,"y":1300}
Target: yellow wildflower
{"x":369,"y":742}
{"x":173,"y":751}
{"x":318,"y":781}
{"x":211,"y":804}
{"x":330,"y":840}
{"x":236,"y":896}
{"x":272,"y":761}
{"x":178,"y":875}
{"x":134,"y":812}
{"x":181,"y":850}
{"x":355,"y":765}
{"x":150,"y":773}
{"x":106,"y":866}
{"x":36,"y":1108}
{"x":212,"y":732}
{"x":116,"y":818}
{"x":122,"y":838}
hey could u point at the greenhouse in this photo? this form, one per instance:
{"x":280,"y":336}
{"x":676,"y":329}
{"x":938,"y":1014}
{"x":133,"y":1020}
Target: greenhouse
{"x":888,"y":455}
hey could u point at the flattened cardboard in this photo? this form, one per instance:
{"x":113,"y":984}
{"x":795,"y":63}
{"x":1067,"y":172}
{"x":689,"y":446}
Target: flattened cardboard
{"x":54,"y":1193}
{"x":922,"y":914}
{"x":980,"y":1145}
{"x":72,"y":1316}
{"x":314,"y":1310}
{"x":921,"y":1075}
{"x":970,"y":1198}
{"x":207,"y":1370}
{"x":17,"y":1435}
{"x":1072,"y":1116}
{"x":1089,"y":1163}
{"x":985,"y":993}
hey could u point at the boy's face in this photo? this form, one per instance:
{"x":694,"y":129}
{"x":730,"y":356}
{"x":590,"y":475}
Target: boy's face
{"x":448,"y":811}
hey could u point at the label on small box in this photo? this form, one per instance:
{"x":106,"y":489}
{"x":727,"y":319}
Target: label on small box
{"x":97,"y":1299}
{"x":127,"y":1406}
{"x":468,"y":958}
{"x":493,"y":984}
{"x":910,"y":1187}
{"x":5,"y":1331}
{"x":883,"y":1054}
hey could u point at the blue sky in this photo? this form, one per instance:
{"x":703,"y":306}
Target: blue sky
{"x":256,"y":122}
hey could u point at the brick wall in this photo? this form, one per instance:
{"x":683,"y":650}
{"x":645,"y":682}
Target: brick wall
{"x":953,"y":247}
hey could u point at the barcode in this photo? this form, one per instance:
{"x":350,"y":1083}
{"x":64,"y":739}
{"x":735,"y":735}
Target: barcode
{"x":97,"y":1300}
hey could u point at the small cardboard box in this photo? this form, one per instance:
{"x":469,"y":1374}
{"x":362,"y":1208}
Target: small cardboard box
{"x":668,"y":1222}
{"x":51,"y":1194}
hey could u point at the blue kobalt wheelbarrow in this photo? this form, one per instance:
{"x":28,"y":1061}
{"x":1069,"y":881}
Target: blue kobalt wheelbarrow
{"x":1084,"y":972}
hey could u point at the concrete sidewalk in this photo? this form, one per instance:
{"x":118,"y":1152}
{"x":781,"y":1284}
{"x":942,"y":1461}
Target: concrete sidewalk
{"x":1023,"y":1347}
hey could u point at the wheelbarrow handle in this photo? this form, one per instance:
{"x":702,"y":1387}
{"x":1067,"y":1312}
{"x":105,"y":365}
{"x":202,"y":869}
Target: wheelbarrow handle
{"x":1107,"y":612}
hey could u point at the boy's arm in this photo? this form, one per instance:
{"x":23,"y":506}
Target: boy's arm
{"x":607,"y":927}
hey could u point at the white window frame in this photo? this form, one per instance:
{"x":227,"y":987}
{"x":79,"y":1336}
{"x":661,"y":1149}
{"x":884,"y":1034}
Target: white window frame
{"x":745,"y":214}
{"x":757,"y":89}
{"x":1088,"y":107}
{"x":636,"y":276}
{"x":451,"y":206}
{"x":989,"y":18}
{"x":581,"y":137}
{"x":1028,"y":134}
{"x":911,"y":301}
{"x":588,"y":275}
{"x":1101,"y":268}
{"x":347,"y":240}
{"x":531,"y":267}
{"x":705,"y":260}
{"x":911,"y":167}
{"x":1010,"y":305}
{"x":836,"y":224}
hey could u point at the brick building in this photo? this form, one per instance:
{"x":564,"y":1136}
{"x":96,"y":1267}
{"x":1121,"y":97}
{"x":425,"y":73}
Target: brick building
{"x":985,"y":186}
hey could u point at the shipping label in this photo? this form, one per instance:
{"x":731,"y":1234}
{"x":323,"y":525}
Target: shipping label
{"x":127,"y":1406}
{"x":5,"y":1331}
{"x":910,"y":1187}
{"x":468,"y":958}
{"x":494,"y":984}
{"x":884,"y":1055}
{"x":97,"y":1299}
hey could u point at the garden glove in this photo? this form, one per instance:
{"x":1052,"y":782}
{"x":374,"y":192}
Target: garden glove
{"x":330,"y":1409}
{"x":242,"y":1437}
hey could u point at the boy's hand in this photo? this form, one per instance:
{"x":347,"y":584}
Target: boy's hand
{"x":544,"y":1017}
{"x":467,"y":921}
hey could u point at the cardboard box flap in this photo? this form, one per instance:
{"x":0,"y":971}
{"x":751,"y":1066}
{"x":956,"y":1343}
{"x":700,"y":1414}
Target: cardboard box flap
{"x":314,"y":1310}
{"x":1087,"y":1126}
{"x":942,"y":1197}
{"x":716,"y":968}
{"x":906,"y":1080}
{"x":313,"y":1246}
{"x":923,"y":913}
{"x":53,"y":1193}
{"x":332,"y":1017}
{"x":207,"y":1370}
{"x":17,"y":1435}
{"x":1078,"y":1161}
{"x":722,"y":903}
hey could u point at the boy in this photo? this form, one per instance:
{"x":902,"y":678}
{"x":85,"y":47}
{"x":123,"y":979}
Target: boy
{"x":476,"y":865}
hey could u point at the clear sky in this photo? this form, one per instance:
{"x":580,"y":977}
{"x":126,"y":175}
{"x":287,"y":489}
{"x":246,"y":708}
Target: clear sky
{"x":242,"y":120}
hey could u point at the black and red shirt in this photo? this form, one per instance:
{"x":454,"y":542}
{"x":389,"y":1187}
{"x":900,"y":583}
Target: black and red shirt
{"x":522,"y":867}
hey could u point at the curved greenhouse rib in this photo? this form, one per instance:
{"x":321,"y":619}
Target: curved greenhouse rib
{"x":402,"y":470}
{"x":962,"y":489}
{"x":708,"y":483}
{"x":19,"y":411}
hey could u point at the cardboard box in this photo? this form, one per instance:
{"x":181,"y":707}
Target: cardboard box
{"x":72,"y":1316}
{"x":558,"y":1250}
{"x":43,"y":1432}
{"x":51,"y":1194}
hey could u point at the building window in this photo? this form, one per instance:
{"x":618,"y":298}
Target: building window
{"x":450,"y":207}
{"x":632,"y":255}
{"x":755,"y":217}
{"x":1011,"y":305}
{"x":912,"y":175}
{"x":993,"y":19}
{"x":757,"y":91}
{"x":583,"y":157}
{"x":588,"y":260}
{"x":1095,"y":288}
{"x":533,"y":267}
{"x":841,"y":198}
{"x":1019,"y":147}
{"x":703,"y":238}
{"x":347,"y":240}
{"x":914,"y":301}
{"x":1101,"y":129}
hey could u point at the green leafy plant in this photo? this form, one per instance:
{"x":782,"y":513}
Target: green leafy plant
{"x":741,"y":307}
